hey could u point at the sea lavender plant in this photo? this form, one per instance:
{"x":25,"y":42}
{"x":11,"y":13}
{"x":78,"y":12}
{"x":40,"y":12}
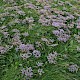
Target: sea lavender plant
{"x":56,"y":24}
{"x":47,"y":7}
{"x":26,"y":47}
{"x":30,"y":20}
{"x":40,"y":71}
{"x":36,"y":53}
{"x":77,"y":37}
{"x":26,"y":55}
{"x":78,"y":23}
{"x":31,"y":6}
{"x":39,"y":64}
{"x":78,"y":48}
{"x":21,"y":12}
{"x":25,"y":34}
{"x":16,"y":39}
{"x":2,"y":49}
{"x":73,"y":68}
{"x":28,"y":72}
{"x":52,"y":57}
{"x":61,"y":35}
{"x":6,"y":34}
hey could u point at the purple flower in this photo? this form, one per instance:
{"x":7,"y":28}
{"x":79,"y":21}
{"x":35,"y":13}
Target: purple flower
{"x":61,"y":35}
{"x":26,"y":55}
{"x":73,"y":68}
{"x":27,"y":72}
{"x":25,"y":34}
{"x":40,"y":71}
{"x":30,"y":20}
{"x":2,"y":49}
{"x":63,"y":38}
{"x":52,"y":57}
{"x":6,"y":34}
{"x":15,"y":30}
{"x":26,"y":48}
{"x":36,"y":53}
{"x":56,"y":32}
{"x":78,"y":23}
{"x":47,"y":7}
{"x":56,"y":24}
{"x":21,"y":12}
{"x":39,"y":64}
{"x":42,"y":11}
{"x":31,"y":6}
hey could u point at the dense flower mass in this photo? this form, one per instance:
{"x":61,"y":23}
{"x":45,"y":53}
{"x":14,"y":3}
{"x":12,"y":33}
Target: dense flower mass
{"x":61,"y":35}
{"x":26,"y":48}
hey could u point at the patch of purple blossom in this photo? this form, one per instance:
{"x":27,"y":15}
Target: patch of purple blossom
{"x":78,"y":23}
{"x":56,"y":24}
{"x":16,"y":38}
{"x":9,"y":1}
{"x":77,"y":37}
{"x":2,"y":49}
{"x":37,"y":53}
{"x":26,"y":55}
{"x":21,"y":12}
{"x":29,"y":20}
{"x":25,"y":34}
{"x":61,"y":35}
{"x":39,"y":64}
{"x":40,"y":71}
{"x":52,"y":57}
{"x":73,"y":68}
{"x":26,"y":47}
{"x":28,"y":72}
{"x":78,"y":48}
{"x":30,"y":6}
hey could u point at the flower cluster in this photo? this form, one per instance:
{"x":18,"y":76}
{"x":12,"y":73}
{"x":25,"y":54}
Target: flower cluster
{"x":78,"y":23}
{"x":9,"y":1}
{"x":36,"y":53}
{"x":56,"y":20}
{"x":39,"y":64}
{"x":77,"y":37}
{"x":29,"y":20}
{"x":40,"y":71}
{"x":2,"y":49}
{"x":27,"y":72}
{"x":61,"y":35}
{"x":73,"y":68}
{"x":26,"y":47}
{"x":78,"y":48}
{"x":21,"y":12}
{"x":26,"y":55}
{"x":52,"y":57}
{"x":16,"y":37}
{"x":31,"y":6}
{"x":25,"y":34}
